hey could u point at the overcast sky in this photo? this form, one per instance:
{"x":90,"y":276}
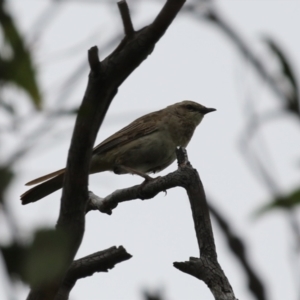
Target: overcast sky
{"x":195,"y":61}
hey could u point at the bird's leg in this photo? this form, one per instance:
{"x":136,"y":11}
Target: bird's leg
{"x":120,"y":169}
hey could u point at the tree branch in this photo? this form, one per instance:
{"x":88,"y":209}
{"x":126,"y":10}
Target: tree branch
{"x":125,"y":15}
{"x":214,"y":16}
{"x":101,"y":261}
{"x":104,"y":80}
{"x":205,"y":268}
{"x":94,"y":61}
{"x":238,"y":248}
{"x":211,"y":14}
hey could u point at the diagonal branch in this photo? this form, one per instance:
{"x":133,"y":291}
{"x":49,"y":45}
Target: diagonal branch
{"x":104,"y":81}
{"x":213,"y":15}
{"x":238,"y":247}
{"x":101,"y":261}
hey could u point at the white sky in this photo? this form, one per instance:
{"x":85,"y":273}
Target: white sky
{"x":194,"y":60}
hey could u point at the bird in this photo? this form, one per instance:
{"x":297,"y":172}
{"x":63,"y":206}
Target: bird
{"x":147,"y":145}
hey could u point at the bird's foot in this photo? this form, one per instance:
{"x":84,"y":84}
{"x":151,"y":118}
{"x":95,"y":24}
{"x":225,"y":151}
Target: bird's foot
{"x":141,"y":187}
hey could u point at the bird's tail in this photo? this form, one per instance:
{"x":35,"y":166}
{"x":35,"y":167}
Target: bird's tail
{"x":42,"y":190}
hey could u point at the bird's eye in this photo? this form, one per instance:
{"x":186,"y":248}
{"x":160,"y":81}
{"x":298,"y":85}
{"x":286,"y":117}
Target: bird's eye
{"x":190,"y":107}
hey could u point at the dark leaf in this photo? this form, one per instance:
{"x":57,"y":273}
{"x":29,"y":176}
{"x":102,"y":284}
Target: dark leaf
{"x":152,"y":295}
{"x":18,"y":68}
{"x":41,"y":262}
{"x":6,"y":176}
{"x":13,"y":256}
{"x":46,"y":258}
{"x":285,"y":202}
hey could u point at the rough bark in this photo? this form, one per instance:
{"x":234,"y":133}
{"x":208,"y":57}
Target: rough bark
{"x":104,"y":79}
{"x":206,"y":267}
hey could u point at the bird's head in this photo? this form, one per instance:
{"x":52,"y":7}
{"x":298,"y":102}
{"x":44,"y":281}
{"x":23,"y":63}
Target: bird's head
{"x":191,"y":110}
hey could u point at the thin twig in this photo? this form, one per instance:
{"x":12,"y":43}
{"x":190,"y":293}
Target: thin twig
{"x":93,"y":58}
{"x":125,"y":15}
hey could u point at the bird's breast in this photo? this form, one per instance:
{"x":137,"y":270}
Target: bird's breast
{"x":181,"y":132}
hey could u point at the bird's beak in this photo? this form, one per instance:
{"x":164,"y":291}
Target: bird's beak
{"x":208,"y":110}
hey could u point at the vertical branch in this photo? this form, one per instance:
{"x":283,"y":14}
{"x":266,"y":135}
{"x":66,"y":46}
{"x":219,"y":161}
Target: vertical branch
{"x":207,"y":267}
{"x":125,"y":15}
{"x":104,"y":80}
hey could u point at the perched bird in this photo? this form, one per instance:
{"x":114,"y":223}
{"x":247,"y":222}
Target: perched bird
{"x":147,"y":145}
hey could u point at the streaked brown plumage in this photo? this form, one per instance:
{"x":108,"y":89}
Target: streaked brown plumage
{"x":147,"y":145}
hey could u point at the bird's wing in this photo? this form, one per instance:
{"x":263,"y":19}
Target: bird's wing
{"x":140,"y":127}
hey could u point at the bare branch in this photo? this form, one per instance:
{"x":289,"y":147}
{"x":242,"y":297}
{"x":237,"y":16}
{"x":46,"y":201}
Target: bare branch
{"x":104,"y":80}
{"x":205,"y":268}
{"x":238,"y":247}
{"x":94,"y":60}
{"x":146,"y":190}
{"x":125,"y":14}
{"x":211,"y":273}
{"x":101,"y":261}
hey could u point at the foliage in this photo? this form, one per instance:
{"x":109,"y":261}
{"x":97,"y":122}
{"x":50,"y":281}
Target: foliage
{"x":16,"y":65}
{"x":39,"y":262}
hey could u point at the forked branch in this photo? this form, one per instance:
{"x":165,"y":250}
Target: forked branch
{"x":206,"y":267}
{"x":104,"y":80}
